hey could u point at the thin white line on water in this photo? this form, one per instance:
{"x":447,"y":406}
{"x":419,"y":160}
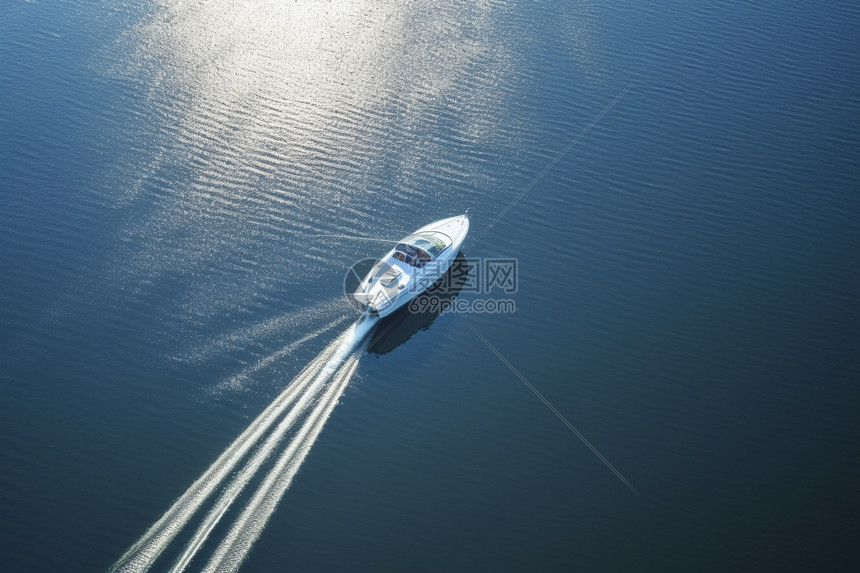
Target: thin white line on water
{"x":241,"y":337}
{"x":556,"y":412}
{"x":553,"y":162}
{"x":236,"y":380}
{"x":357,"y":237}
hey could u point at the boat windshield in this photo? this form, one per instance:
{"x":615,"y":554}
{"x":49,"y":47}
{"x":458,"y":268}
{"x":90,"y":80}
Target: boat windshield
{"x":419,"y":249}
{"x":412,"y":255}
{"x":432,"y":243}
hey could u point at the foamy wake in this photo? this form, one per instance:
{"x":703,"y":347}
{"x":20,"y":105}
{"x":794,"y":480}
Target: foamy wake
{"x":316,"y":390}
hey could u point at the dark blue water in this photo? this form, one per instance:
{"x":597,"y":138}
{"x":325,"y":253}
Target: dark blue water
{"x":687,"y":279}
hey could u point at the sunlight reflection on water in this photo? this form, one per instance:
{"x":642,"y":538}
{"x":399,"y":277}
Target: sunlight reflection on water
{"x":278,"y":119}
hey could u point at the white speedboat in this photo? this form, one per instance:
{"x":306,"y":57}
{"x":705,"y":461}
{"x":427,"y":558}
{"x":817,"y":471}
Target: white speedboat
{"x":408,"y":269}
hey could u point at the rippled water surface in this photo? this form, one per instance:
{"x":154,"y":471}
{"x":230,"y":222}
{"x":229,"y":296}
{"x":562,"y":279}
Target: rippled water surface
{"x":686,"y":298}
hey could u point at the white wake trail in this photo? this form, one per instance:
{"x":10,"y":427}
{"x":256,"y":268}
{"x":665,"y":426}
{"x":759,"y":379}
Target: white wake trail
{"x":241,"y":480}
{"x":302,"y":391}
{"x":151,"y":544}
{"x":253,"y":519}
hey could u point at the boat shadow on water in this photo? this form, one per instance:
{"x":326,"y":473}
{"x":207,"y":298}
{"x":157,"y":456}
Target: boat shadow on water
{"x":398,"y":327}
